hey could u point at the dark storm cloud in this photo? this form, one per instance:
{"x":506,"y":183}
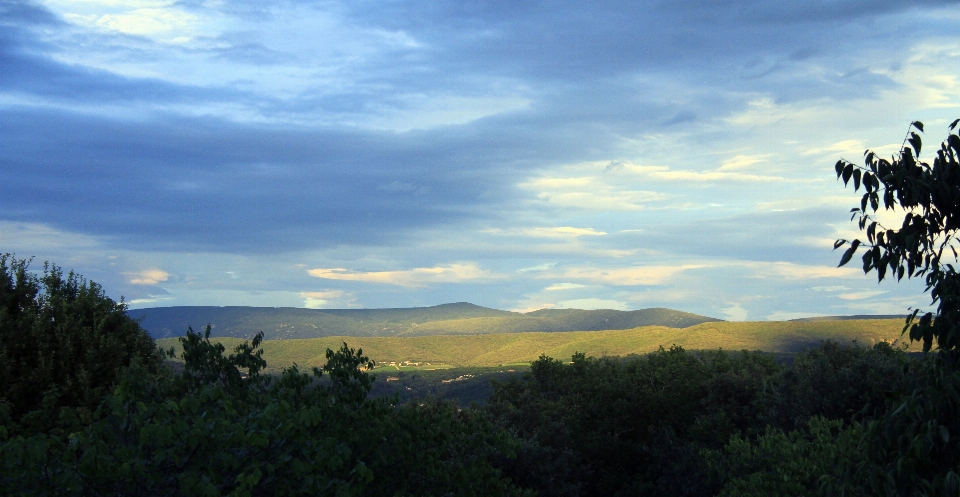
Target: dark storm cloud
{"x":208,"y":183}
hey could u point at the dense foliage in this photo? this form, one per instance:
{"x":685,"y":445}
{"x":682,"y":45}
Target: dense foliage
{"x":63,"y":345}
{"x":221,"y":427}
{"x":658,"y":425}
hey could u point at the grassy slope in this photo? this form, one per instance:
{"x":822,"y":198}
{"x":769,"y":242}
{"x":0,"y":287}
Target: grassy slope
{"x":510,"y":348}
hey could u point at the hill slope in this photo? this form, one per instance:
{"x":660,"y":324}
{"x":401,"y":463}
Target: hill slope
{"x":512,"y":348}
{"x":447,"y":319}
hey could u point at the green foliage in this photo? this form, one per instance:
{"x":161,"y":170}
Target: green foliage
{"x":222,"y":427}
{"x":835,"y":382}
{"x":913,"y":449}
{"x":929,"y":197}
{"x":63,"y":346}
{"x":603,"y":426}
{"x":777,"y":463}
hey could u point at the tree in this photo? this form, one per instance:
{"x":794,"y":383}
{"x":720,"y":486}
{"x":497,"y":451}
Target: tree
{"x":929,"y":196}
{"x":63,"y":344}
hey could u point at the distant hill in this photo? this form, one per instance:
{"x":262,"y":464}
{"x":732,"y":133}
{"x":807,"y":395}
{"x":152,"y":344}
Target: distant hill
{"x":461,"y":318}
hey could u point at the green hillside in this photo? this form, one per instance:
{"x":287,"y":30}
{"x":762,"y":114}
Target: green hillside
{"x":515,"y":348}
{"x":281,"y":323}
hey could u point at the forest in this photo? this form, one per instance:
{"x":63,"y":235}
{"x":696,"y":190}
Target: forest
{"x":88,"y":405}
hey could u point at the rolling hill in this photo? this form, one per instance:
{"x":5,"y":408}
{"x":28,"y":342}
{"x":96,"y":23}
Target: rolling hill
{"x":493,"y":349}
{"x":448,"y":319}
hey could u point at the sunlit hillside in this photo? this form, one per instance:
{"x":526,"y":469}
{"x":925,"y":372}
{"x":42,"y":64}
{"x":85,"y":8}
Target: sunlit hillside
{"x":514,"y":348}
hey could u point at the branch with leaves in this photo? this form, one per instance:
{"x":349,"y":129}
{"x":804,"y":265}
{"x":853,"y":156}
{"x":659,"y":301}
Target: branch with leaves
{"x":929,"y":196}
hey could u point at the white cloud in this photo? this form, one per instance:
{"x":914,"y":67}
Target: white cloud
{"x":454,"y":273}
{"x":326,"y":298}
{"x":563,"y":232}
{"x":593,"y":304}
{"x":592,"y":192}
{"x":148,"y":277}
{"x":791,"y":271}
{"x":861,"y":295}
{"x":564,"y":286}
{"x":735,"y":313}
{"x":539,"y":267}
{"x":163,"y":20}
{"x":740,"y":162}
{"x":627,"y":276}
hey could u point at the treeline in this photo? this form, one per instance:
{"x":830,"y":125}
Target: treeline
{"x":714,"y":423}
{"x":89,"y":409}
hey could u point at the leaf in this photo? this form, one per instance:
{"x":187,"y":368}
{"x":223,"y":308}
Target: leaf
{"x":849,"y":253}
{"x":856,"y":180}
{"x":839,"y":243}
{"x":838,"y":167}
{"x":918,"y":125}
{"x":915,"y":143}
{"x":847,"y":172}
{"x":944,"y":433}
{"x":954,"y":124}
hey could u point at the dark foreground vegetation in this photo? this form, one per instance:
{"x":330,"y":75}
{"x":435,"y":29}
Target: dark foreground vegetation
{"x":88,"y":408}
{"x":670,"y":423}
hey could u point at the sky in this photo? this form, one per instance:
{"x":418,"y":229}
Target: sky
{"x":517,"y":155}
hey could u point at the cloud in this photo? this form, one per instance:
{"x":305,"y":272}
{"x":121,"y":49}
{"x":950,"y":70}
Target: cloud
{"x":742,"y":162}
{"x":736,"y":313}
{"x":148,"y":277}
{"x":564,"y":286}
{"x":593,"y":303}
{"x":787,"y":315}
{"x":723,"y":173}
{"x":563,"y":232}
{"x":593,"y":193}
{"x":861,"y":295}
{"x":791,"y":271}
{"x":539,"y":267}
{"x":327,"y":298}
{"x":454,"y":273}
{"x":628,"y":276}
{"x":142,"y":21}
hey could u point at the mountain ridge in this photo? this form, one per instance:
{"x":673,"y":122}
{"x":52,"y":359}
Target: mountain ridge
{"x":459,"y":318}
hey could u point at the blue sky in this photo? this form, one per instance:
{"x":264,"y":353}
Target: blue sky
{"x":517,"y":155}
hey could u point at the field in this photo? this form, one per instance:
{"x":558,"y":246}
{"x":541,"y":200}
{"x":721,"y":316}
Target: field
{"x":489,"y":350}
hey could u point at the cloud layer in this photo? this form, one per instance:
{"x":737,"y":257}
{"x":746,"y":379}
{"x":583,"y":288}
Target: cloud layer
{"x":514,"y":155}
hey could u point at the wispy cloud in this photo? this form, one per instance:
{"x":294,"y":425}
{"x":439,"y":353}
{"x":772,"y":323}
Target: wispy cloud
{"x":627,"y":276}
{"x":564,"y":286}
{"x":861,"y":295}
{"x":327,"y":298}
{"x":148,"y":277}
{"x":454,"y":273}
